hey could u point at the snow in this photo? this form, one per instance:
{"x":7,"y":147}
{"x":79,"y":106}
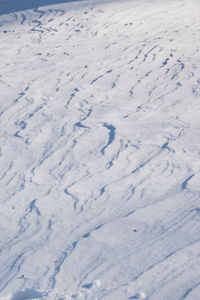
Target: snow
{"x":99,"y":150}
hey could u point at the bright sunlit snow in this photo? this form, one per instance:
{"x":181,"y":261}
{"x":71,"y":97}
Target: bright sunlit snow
{"x":100,"y":149}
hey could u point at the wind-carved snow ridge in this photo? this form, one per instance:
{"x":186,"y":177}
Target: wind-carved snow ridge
{"x":100,"y":151}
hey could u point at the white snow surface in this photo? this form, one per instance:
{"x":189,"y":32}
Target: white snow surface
{"x":100,"y":151}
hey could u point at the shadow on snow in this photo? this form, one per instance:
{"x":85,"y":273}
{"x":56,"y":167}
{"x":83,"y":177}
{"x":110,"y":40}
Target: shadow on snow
{"x":11,"y":6}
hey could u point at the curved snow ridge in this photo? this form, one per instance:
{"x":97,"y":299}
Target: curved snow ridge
{"x":99,"y":151}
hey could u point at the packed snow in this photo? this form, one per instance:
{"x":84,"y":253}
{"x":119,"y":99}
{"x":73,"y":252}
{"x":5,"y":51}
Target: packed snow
{"x":100,"y":150}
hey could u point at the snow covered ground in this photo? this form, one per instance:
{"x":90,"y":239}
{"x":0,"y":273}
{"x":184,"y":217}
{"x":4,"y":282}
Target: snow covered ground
{"x":100,"y":150}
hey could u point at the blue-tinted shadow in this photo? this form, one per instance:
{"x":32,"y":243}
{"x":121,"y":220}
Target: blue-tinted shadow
{"x":12,"y":6}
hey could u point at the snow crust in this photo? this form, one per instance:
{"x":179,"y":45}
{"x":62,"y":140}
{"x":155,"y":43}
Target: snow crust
{"x":100,"y":150}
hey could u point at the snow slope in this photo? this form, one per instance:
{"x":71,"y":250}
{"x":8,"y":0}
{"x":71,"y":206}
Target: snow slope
{"x":100,"y":151}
